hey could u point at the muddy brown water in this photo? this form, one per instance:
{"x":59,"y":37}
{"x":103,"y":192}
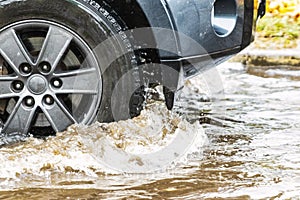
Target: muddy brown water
{"x":247,"y":147}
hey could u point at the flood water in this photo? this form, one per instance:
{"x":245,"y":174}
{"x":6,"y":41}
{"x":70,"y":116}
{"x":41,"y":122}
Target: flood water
{"x":246,"y":145}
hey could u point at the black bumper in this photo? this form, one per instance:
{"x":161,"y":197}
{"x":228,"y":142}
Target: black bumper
{"x":220,"y":28}
{"x":204,"y":30}
{"x":204,"y":33}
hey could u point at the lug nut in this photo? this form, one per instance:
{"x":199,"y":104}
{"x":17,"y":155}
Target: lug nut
{"x":57,"y":83}
{"x":45,"y":67}
{"x":25,"y":68}
{"x":29,"y":101}
{"x":49,"y":100}
{"x":18,"y":85}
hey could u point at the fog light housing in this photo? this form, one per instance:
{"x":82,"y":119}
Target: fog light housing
{"x":224,"y":17}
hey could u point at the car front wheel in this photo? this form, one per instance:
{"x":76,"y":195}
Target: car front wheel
{"x":51,"y":73}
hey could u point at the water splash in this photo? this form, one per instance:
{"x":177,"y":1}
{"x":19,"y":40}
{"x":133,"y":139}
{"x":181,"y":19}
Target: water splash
{"x":153,"y":141}
{"x":72,"y":158}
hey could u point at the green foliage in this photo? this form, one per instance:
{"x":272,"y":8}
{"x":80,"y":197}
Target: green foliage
{"x":284,"y":31}
{"x":279,"y":27}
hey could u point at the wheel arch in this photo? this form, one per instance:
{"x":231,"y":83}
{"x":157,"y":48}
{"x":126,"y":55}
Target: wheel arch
{"x":153,"y":13}
{"x":150,"y":13}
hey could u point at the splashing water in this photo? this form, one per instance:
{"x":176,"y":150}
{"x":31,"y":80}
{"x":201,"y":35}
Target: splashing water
{"x":252,"y":154}
{"x":82,"y":154}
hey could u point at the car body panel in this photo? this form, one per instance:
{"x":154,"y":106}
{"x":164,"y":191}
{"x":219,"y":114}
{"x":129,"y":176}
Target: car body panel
{"x":193,"y":18}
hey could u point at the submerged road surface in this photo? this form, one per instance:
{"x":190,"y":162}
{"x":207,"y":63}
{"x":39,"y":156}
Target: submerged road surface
{"x":247,"y":146}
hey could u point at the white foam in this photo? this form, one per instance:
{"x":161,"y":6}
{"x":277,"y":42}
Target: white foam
{"x":155,"y":140}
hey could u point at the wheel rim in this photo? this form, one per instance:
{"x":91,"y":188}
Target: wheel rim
{"x":49,"y":78}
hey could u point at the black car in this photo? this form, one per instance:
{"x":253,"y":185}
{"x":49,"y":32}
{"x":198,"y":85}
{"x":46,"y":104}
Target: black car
{"x":78,"y":61}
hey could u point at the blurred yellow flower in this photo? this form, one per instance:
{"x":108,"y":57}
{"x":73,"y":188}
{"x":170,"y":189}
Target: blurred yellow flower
{"x":284,"y":7}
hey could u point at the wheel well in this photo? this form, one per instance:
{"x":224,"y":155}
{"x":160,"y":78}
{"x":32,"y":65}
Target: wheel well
{"x":130,"y":12}
{"x":134,"y":17}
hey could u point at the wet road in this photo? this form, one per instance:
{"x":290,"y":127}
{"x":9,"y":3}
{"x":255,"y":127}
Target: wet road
{"x":247,"y":146}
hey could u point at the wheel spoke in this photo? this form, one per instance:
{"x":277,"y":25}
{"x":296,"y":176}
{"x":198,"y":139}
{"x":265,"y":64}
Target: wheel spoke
{"x":12,"y":50}
{"x":59,"y":117}
{"x":51,"y":73}
{"x":82,"y":81}
{"x":19,"y":120}
{"x":5,"y":87}
{"x":54,"y":47}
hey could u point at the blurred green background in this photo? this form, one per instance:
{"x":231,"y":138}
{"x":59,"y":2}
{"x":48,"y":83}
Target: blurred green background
{"x":280,"y":28}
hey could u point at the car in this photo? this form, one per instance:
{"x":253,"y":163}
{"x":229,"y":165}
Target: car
{"x":65,"y":62}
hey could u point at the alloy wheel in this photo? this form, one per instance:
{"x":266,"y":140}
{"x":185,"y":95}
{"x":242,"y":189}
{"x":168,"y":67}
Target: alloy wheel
{"x":49,"y":78}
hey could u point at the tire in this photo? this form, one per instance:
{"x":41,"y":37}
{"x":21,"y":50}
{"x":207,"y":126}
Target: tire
{"x":56,"y":70}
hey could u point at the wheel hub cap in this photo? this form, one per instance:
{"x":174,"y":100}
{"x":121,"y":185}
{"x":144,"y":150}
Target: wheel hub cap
{"x":37,"y":84}
{"x":59,"y":72}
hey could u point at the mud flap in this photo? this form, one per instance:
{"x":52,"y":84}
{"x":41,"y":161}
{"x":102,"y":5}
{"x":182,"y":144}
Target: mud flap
{"x":172,"y":81}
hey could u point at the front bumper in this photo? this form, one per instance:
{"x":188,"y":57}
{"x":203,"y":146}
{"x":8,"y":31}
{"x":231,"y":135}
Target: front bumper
{"x":220,"y":28}
{"x":205,"y":33}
